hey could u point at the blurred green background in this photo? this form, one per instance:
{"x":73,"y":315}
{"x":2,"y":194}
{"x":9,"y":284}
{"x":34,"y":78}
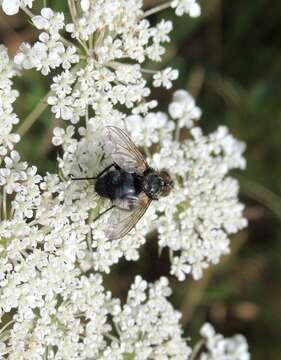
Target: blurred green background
{"x":230,"y":60}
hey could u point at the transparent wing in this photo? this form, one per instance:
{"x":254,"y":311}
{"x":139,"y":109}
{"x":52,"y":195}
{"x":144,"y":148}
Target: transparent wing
{"x":123,"y":219}
{"x":124,"y":152}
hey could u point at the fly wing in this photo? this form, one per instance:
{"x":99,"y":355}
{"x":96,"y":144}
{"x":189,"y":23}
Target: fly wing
{"x":124,"y":152}
{"x":123,"y":219}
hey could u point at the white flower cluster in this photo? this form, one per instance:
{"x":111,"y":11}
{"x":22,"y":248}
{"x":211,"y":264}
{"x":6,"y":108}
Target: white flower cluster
{"x":53,"y":304}
{"x":87,"y":157}
{"x":7,"y":97}
{"x":220,"y":348}
{"x":61,"y":312}
{"x":190,"y":7}
{"x":115,"y":40}
{"x":195,"y":221}
{"x":49,"y":52}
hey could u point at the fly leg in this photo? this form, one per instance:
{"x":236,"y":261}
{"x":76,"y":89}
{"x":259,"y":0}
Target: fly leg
{"x":104,"y":212}
{"x":97,"y":217}
{"x":94,"y":177}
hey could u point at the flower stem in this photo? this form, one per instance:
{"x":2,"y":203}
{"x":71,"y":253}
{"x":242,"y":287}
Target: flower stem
{"x":156,"y":9}
{"x":4,"y":203}
{"x":72,"y":9}
{"x":178,"y":132}
{"x":65,"y":41}
{"x":33,"y":116}
{"x":27,"y":11}
{"x":148,"y":71}
{"x":89,"y":237}
{"x":74,"y":15}
{"x":196,"y":349}
{"x":87,"y":117}
{"x":262,"y":194}
{"x":6,"y":325}
{"x":147,"y":152}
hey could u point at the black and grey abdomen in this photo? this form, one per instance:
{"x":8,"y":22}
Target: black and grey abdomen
{"x":117,"y":184}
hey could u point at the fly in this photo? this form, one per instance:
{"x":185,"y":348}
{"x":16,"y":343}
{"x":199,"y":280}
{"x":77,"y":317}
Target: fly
{"x":129,"y":183}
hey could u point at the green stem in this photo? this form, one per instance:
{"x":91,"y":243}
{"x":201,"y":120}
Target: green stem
{"x":147,"y":152}
{"x":71,"y":10}
{"x":87,"y":117}
{"x":66,"y":42}
{"x":6,"y":325}
{"x":33,"y":116}
{"x":91,"y":42}
{"x":262,"y":194}
{"x":4,"y":203}
{"x":93,"y":214}
{"x":196,"y":349}
{"x":74,"y":15}
{"x":27,"y":11}
{"x":148,"y":71}
{"x":156,"y":9}
{"x":111,"y":337}
{"x":178,"y":132}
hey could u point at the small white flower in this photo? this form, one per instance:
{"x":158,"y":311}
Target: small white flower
{"x":11,"y":7}
{"x":164,"y":78}
{"x":85,"y":5}
{"x":184,"y":109}
{"x":62,"y":83}
{"x":49,"y":21}
{"x":161,"y":31}
{"x":69,"y":57}
{"x":179,"y":268}
{"x":61,"y":106}
{"x":190,"y":7}
{"x":218,"y":347}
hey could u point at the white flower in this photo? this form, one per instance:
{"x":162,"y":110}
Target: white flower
{"x":69,"y":57}
{"x":7,"y":97}
{"x":184,"y":109}
{"x":61,"y":106}
{"x":190,"y":7}
{"x":53,"y":249}
{"x":11,"y":7}
{"x":220,"y":348}
{"x":49,"y":52}
{"x":85,"y":5}
{"x":148,"y":325}
{"x":161,"y":31}
{"x":62,"y":83}
{"x":151,"y":129}
{"x":164,"y":78}
{"x":196,"y":219}
{"x":49,"y":21}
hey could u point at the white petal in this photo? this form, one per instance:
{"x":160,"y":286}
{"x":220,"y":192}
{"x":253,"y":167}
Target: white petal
{"x":47,"y":13}
{"x":85,"y":5}
{"x":195,"y":10}
{"x":11,"y":7}
{"x":40,"y":22}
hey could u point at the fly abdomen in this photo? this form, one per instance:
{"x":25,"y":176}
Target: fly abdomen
{"x":117,"y":184}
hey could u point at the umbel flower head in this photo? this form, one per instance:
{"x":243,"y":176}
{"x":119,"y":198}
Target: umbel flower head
{"x":53,"y":301}
{"x":194,"y":222}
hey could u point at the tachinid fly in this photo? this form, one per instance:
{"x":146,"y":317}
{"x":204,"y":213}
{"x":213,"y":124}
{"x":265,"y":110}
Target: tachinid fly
{"x":129,"y":183}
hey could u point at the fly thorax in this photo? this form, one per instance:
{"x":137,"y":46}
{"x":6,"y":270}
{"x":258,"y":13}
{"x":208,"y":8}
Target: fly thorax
{"x":152,"y":185}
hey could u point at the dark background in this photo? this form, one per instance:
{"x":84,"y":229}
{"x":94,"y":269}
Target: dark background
{"x":230,"y":60}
